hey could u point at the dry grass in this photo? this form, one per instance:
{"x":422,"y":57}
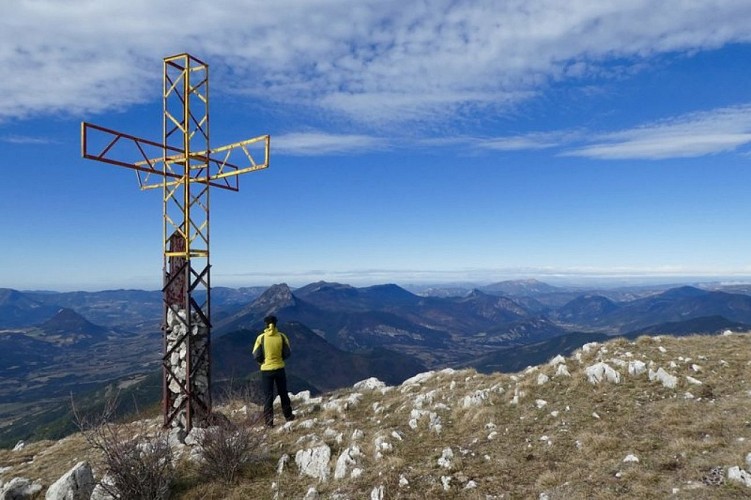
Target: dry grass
{"x":566,"y":438}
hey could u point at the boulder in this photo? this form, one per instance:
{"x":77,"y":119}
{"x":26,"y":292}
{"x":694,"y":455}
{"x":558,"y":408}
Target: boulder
{"x":314,"y":462}
{"x":20,"y":488}
{"x":76,"y":484}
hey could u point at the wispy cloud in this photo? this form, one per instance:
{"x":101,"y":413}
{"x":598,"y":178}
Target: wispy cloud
{"x":525,"y":142}
{"x":24,"y":139}
{"x":691,"y":135}
{"x":372,"y":61}
{"x":320,"y":143}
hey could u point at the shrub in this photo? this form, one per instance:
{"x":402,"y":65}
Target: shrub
{"x":137,"y":464}
{"x":227,"y":448}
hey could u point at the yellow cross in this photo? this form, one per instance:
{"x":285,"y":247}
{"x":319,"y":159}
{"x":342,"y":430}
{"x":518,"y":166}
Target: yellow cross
{"x":185,"y":167}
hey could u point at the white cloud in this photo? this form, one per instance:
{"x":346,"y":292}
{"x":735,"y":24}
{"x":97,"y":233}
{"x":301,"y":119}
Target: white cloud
{"x":691,"y":135}
{"x":531,"y":141}
{"x":23,"y":139}
{"x":319,"y":143}
{"x":373,"y":61}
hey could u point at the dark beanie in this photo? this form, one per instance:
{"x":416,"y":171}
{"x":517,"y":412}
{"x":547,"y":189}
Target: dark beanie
{"x":270,"y":320}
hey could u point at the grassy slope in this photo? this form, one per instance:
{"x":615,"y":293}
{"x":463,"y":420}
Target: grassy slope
{"x":566,"y":437}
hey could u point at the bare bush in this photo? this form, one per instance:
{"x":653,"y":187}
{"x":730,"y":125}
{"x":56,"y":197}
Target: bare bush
{"x":227,"y":448}
{"x":137,"y":463}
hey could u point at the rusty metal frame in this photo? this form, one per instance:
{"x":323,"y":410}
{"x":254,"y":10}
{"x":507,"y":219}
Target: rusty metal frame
{"x":186,"y":167}
{"x":151,"y":164}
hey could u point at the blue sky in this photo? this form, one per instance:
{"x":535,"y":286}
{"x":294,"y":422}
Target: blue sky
{"x":412,"y":142}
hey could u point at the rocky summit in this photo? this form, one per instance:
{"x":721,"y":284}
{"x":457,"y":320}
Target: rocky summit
{"x":654,"y":417}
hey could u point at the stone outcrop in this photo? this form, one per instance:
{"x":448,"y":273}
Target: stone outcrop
{"x":76,"y":484}
{"x":314,"y":462}
{"x":20,"y":488}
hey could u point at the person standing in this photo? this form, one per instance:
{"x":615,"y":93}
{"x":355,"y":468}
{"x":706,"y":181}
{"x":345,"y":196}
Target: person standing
{"x":270,"y":350}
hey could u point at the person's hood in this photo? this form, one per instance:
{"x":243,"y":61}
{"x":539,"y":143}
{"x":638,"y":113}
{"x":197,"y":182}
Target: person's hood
{"x":271,"y":330}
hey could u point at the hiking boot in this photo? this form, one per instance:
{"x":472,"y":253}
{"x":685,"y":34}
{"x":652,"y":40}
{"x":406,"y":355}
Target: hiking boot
{"x":290,"y":418}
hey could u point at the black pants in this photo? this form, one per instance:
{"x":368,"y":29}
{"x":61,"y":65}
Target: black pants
{"x":268,"y":380}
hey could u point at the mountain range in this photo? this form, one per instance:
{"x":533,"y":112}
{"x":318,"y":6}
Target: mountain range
{"x":54,"y":344}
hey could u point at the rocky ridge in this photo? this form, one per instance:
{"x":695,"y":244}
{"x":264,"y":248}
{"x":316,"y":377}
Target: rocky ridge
{"x":649,"y":418}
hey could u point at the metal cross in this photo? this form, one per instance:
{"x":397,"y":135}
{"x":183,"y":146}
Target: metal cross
{"x":185,"y":167}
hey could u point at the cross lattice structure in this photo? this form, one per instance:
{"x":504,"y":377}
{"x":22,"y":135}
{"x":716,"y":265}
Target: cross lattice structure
{"x":185,"y":167}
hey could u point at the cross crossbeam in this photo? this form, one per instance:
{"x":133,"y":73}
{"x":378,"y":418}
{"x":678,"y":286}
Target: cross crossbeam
{"x":113,"y":146}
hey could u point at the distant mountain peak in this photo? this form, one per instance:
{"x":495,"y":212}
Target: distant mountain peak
{"x":69,"y":322}
{"x":527,"y":287}
{"x":320,"y":286}
{"x":389,"y":289}
{"x":275,"y":298}
{"x":8,"y":295}
{"x":685,"y":292}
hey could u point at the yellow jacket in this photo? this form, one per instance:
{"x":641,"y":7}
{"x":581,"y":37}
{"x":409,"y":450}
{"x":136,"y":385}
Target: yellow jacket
{"x":271,"y":349}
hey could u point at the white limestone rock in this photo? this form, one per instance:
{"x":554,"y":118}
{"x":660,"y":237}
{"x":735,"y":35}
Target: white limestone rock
{"x":418,"y":379}
{"x":100,"y":490}
{"x":20,"y":488}
{"x":196,"y":436}
{"x":370,"y":384}
{"x":332,"y":434}
{"x":446,"y":482}
{"x":589,"y":347}
{"x":562,"y":371}
{"x":307,"y":424}
{"x":475,"y":399}
{"x":447,"y":458}
{"x":380,"y":446}
{"x":435,"y":424}
{"x":76,"y":484}
{"x":347,"y":459}
{"x":600,"y":372}
{"x":739,"y":475}
{"x":342,"y":404}
{"x":314,"y":462}
{"x":636,"y":367}
{"x":664,"y":378}
{"x":303,"y":397}
{"x":557,"y":360}
{"x":424,"y":399}
{"x":283,"y":460}
{"x":414,"y":417}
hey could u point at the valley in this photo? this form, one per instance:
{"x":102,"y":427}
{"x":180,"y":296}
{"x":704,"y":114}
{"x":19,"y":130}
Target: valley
{"x":54,"y":346}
